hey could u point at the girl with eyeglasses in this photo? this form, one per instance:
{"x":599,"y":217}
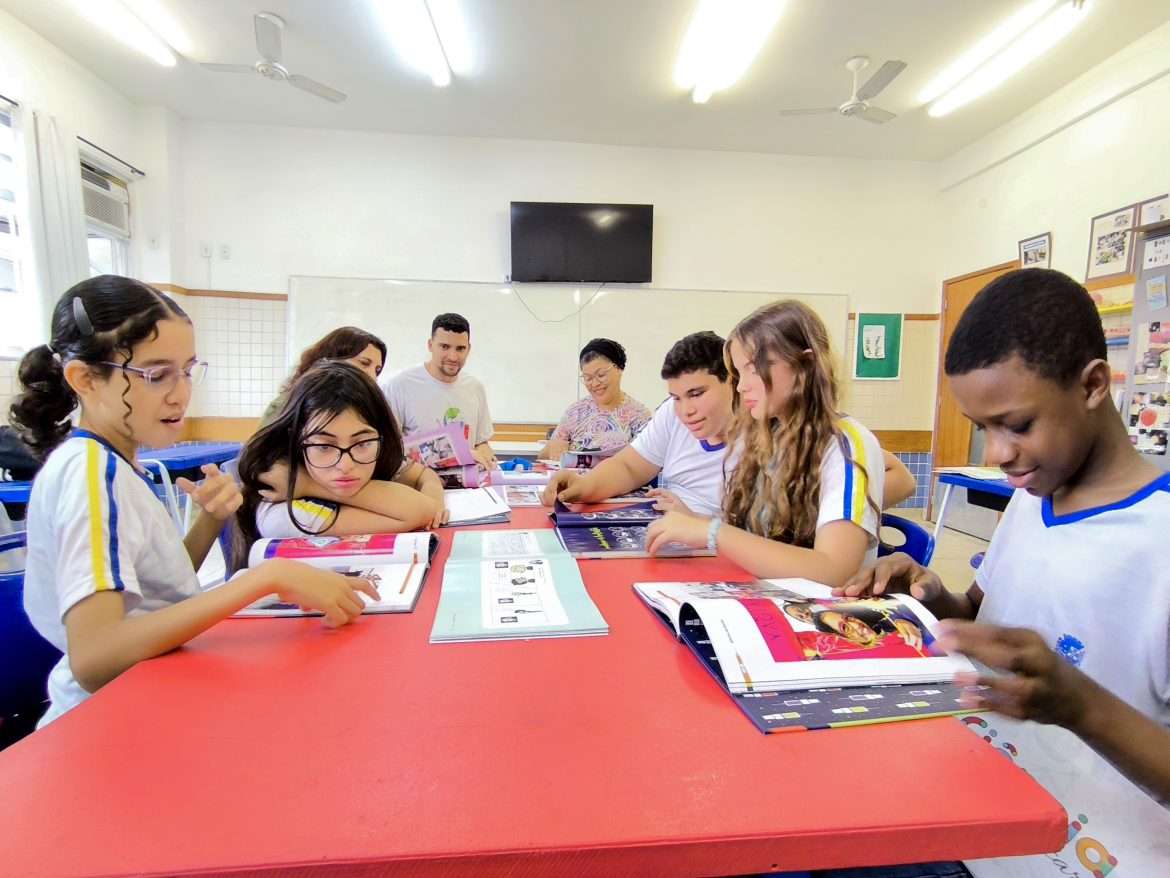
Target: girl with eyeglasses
{"x":108,"y":580}
{"x":331,"y":462}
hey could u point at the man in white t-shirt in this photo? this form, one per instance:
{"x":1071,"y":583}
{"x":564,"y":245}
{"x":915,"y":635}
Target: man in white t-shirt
{"x":438,"y":392}
{"x":1072,"y":601}
{"x":683,"y":445}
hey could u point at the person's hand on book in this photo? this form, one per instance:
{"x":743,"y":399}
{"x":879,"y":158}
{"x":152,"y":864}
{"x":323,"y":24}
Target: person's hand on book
{"x":1032,"y":682}
{"x":440,"y":514}
{"x":894,"y":573}
{"x":485,"y":457}
{"x":676,"y":527}
{"x":668,"y":501}
{"x":561,"y":486}
{"x":218,"y":494}
{"x":330,"y":593}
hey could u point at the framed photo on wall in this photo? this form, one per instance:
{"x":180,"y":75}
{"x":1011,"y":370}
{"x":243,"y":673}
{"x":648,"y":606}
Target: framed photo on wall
{"x":1155,"y":210}
{"x":878,"y":352}
{"x":1036,"y":252}
{"x":1111,"y":244}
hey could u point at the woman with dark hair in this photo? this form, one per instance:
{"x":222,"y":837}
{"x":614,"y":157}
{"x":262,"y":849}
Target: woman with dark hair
{"x":348,"y":345}
{"x":607,"y":419}
{"x":330,"y":462}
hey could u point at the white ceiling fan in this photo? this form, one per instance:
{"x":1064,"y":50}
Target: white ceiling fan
{"x":858,"y":105}
{"x":269,"y":26}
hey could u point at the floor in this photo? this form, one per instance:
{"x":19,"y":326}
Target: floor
{"x":952,"y":554}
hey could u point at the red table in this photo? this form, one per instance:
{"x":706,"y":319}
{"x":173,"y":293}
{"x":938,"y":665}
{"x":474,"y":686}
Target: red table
{"x":278,"y":745}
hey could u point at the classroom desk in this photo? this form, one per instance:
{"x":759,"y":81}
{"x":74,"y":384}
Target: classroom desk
{"x":187,"y":457}
{"x":988,"y":493}
{"x":279,"y":744}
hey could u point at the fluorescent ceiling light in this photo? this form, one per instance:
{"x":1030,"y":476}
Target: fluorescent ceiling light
{"x":723,"y":38}
{"x":985,"y":48}
{"x":1029,"y":46}
{"x":156,"y":16}
{"x":123,"y":25}
{"x":429,"y":37}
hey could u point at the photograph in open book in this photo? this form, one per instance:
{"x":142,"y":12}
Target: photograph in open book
{"x":442,"y":447}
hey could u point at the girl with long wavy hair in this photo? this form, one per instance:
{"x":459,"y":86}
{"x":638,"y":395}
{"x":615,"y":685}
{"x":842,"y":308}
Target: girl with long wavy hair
{"x":802,"y":499}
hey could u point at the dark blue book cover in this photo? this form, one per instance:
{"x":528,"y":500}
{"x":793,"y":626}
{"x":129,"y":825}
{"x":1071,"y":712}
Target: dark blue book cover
{"x":602,"y":514}
{"x":617,"y":541}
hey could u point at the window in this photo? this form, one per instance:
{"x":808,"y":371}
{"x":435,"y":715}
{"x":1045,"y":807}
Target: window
{"x":107,"y":220}
{"x":13,"y":297}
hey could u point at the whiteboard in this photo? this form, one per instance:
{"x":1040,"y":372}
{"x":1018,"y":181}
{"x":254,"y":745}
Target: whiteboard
{"x":525,"y":337}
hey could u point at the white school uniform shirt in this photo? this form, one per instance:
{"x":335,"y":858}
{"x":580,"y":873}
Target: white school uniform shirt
{"x":95,"y":524}
{"x":852,"y":480}
{"x":1096,"y":586}
{"x":691,"y":468}
{"x":275,"y":520}
{"x":422,"y":402}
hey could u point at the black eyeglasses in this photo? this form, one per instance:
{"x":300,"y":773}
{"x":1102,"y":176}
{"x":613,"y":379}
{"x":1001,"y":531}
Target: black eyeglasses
{"x":320,"y":455}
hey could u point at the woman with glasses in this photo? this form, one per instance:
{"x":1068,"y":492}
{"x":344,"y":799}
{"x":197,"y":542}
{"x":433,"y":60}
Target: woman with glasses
{"x":109,"y":581}
{"x":331,"y":462}
{"x":607,"y":419}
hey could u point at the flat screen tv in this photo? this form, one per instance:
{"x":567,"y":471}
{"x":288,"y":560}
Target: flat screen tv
{"x":581,"y":242}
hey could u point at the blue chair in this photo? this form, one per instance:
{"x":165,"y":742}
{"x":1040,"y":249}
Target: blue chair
{"x":25,"y":657}
{"x":916,"y":540}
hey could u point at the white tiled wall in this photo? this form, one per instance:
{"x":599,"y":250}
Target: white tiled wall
{"x":243,"y":341}
{"x":7,"y":387}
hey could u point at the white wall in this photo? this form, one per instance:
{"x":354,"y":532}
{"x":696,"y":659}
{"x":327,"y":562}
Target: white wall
{"x":1009,"y":186}
{"x":299,"y":201}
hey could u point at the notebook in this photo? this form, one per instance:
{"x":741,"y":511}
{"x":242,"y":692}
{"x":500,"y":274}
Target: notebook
{"x":397,"y":565}
{"x":512,"y":584}
{"x":471,"y":506}
{"x":794,"y":657}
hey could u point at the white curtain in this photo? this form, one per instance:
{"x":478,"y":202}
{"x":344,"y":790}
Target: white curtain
{"x":57,"y":217}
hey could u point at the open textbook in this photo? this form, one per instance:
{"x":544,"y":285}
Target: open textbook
{"x":395,"y":563}
{"x":512,"y":584}
{"x":601,"y":530}
{"x":470,"y":506}
{"x":793,"y":656}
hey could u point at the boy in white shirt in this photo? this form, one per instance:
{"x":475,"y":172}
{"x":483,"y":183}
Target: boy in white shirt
{"x":438,"y":392}
{"x":1077,"y":563}
{"x":683,"y":445}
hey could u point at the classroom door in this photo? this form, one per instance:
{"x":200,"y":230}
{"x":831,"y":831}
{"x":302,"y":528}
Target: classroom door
{"x":951,"y":442}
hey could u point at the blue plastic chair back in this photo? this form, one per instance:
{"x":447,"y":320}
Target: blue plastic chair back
{"x":917,"y":540}
{"x":25,"y":657}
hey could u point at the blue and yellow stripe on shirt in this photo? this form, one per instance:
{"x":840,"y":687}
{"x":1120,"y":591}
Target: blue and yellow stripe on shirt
{"x":856,"y":473}
{"x":100,"y":469}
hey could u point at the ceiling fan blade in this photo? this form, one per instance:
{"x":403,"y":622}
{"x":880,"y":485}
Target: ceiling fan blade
{"x":876,"y":83}
{"x":317,"y":88}
{"x":814,"y":111}
{"x":229,"y":68}
{"x":877,"y":115}
{"x":268,"y":38}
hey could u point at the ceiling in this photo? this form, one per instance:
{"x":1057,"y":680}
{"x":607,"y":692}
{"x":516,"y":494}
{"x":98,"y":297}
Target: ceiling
{"x":599,"y":71}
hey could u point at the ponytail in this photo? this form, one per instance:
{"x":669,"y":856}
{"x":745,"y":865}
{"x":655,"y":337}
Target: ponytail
{"x":92,"y":321}
{"x":41,"y":412}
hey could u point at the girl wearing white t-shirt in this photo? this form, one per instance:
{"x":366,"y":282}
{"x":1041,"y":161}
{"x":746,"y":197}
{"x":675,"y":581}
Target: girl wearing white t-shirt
{"x":109,"y":581}
{"x":348,"y":474}
{"x":803,"y":498}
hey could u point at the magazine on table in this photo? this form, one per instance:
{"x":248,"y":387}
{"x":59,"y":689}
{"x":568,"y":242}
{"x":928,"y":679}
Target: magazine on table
{"x":512,"y":584}
{"x":586,"y":458}
{"x":793,"y":656}
{"x":396,"y":564}
{"x":605,"y":530}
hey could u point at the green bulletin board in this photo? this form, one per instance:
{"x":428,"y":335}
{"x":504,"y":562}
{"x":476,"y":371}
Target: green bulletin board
{"x":877,"y":356}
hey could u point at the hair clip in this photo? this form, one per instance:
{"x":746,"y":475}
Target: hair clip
{"x":56,"y":356}
{"x":81,"y":317}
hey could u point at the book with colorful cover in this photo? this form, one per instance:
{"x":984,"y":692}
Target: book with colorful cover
{"x":587,"y":458}
{"x":510,"y":585}
{"x":396,"y":564}
{"x":440,"y":448}
{"x":463,"y":476}
{"x":604,"y":530}
{"x":792,"y":656}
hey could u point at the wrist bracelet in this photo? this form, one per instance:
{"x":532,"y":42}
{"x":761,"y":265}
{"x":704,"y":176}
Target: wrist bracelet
{"x":713,"y":531}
